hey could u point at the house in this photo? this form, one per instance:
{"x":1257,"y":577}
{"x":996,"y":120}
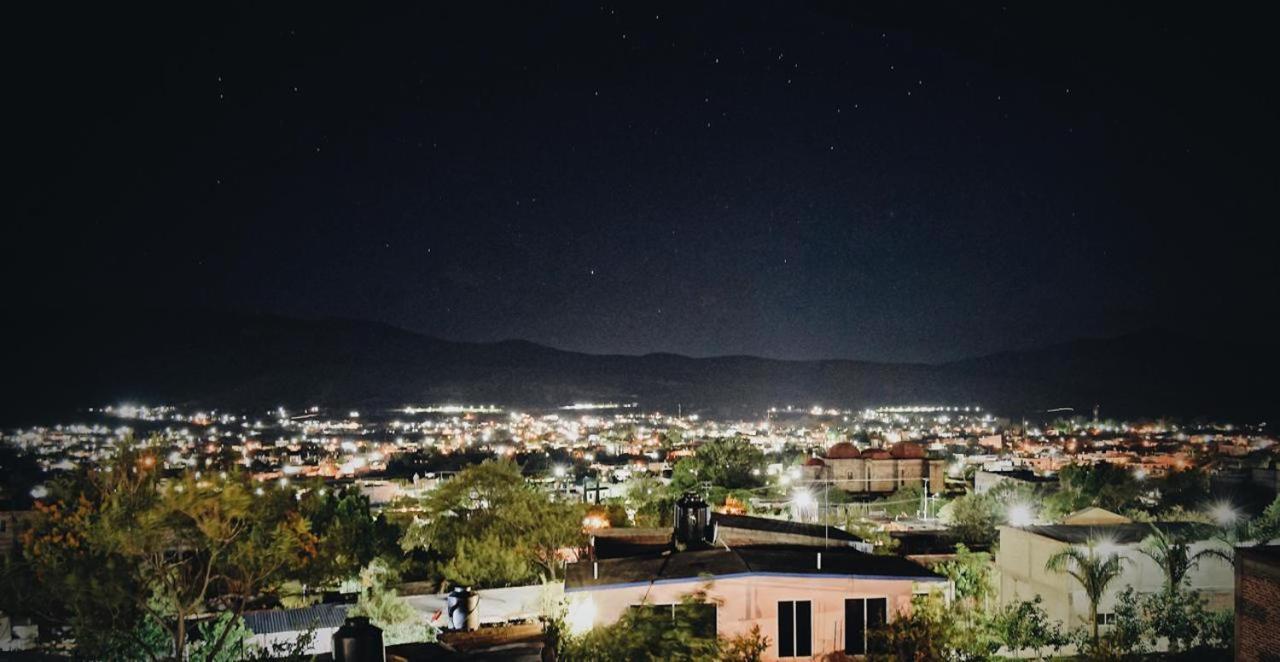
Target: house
{"x":1024,"y":552}
{"x":878,"y":470}
{"x":810,"y":599}
{"x":283,"y":627}
{"x":1257,"y":585}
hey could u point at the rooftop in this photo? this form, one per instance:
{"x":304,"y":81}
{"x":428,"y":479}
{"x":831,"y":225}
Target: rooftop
{"x":270,"y":621}
{"x":766,"y":524}
{"x":1120,"y":534}
{"x":750,"y":560}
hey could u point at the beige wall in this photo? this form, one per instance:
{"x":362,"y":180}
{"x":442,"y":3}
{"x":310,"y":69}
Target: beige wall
{"x":1021,"y":563}
{"x":753,"y":600}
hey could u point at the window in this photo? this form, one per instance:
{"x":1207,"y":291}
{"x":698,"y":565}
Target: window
{"x":862,"y":618}
{"x":1107,"y":619}
{"x":700,"y":618}
{"x":795,"y":628}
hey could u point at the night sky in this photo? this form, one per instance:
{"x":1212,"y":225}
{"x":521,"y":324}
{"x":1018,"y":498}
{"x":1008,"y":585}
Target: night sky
{"x":785,"y":179}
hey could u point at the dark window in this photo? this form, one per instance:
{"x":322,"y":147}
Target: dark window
{"x":877,"y":619}
{"x":855,"y":627}
{"x":795,"y":628}
{"x":1106,"y":619}
{"x":863,"y":618}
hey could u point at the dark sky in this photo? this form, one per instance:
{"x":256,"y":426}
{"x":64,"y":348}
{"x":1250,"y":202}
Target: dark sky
{"x":783,"y":179}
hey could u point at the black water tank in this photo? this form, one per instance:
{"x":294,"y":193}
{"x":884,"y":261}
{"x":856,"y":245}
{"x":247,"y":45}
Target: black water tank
{"x":693,"y":521}
{"x":358,"y":640}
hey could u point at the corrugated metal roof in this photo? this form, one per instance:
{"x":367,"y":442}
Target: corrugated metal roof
{"x":271,"y":621}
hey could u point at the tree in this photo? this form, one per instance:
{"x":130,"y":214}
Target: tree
{"x":905,"y":501}
{"x":926,"y":634}
{"x":970,"y":572}
{"x":1172,"y":555}
{"x":489,"y":527}
{"x":1182,"y":490}
{"x":649,"y":501}
{"x":729,"y":462}
{"x":400,"y":622}
{"x":748,"y":647}
{"x":974,"y":518}
{"x":1103,"y":485}
{"x":1025,"y":625}
{"x":117,"y":548}
{"x":351,"y":536}
{"x":685,"y":631}
{"x":1180,"y":617}
{"x":1093,"y":569}
{"x":1266,"y":527}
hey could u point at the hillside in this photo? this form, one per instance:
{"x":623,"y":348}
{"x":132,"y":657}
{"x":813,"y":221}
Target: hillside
{"x":58,"y":364}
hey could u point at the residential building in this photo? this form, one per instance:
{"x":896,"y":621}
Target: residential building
{"x":810,"y":600}
{"x":1025,"y":551}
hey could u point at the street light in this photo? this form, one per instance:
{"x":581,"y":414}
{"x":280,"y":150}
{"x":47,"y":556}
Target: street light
{"x":1224,"y":513}
{"x":804,"y":500}
{"x":1020,"y":514}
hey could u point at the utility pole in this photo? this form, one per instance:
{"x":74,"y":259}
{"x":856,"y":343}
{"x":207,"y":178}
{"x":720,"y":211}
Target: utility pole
{"x":924,"y":498}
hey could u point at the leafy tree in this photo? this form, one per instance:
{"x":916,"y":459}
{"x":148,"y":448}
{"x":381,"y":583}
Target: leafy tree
{"x":661,"y":633}
{"x":351,"y":536}
{"x":1093,"y":569}
{"x":119,"y":547}
{"x":1266,"y":527}
{"x":1104,"y":485}
{"x":881,"y":541}
{"x":971,"y":574}
{"x":490,"y":527}
{"x":748,"y":647}
{"x":650,"y":500}
{"x":1179,"y":617}
{"x":974,"y":518}
{"x":378,"y":600}
{"x":728,"y":462}
{"x":1025,"y":625}
{"x":928,"y":632}
{"x":1181,"y":490}
{"x":486,"y":561}
{"x":904,"y":502}
{"x":1171,"y":553}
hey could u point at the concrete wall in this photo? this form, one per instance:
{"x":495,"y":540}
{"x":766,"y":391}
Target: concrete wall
{"x":1021,"y":561}
{"x":322,"y":644}
{"x":753,"y":601}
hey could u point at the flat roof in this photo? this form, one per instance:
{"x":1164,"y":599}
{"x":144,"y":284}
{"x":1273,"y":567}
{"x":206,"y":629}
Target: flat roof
{"x":719,"y":562}
{"x":752,"y":523}
{"x":1121,"y":534}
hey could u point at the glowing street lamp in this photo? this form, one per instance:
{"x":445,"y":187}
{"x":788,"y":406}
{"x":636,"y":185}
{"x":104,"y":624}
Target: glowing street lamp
{"x":1106,"y":547}
{"x":1020,"y":514}
{"x":1224,"y":513}
{"x":804,"y":500}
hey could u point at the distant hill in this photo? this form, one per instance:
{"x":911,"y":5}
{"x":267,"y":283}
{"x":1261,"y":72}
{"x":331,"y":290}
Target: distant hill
{"x":59,"y":363}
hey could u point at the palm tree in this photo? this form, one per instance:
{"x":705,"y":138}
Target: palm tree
{"x":1172,"y":555}
{"x":1094,"y":569}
